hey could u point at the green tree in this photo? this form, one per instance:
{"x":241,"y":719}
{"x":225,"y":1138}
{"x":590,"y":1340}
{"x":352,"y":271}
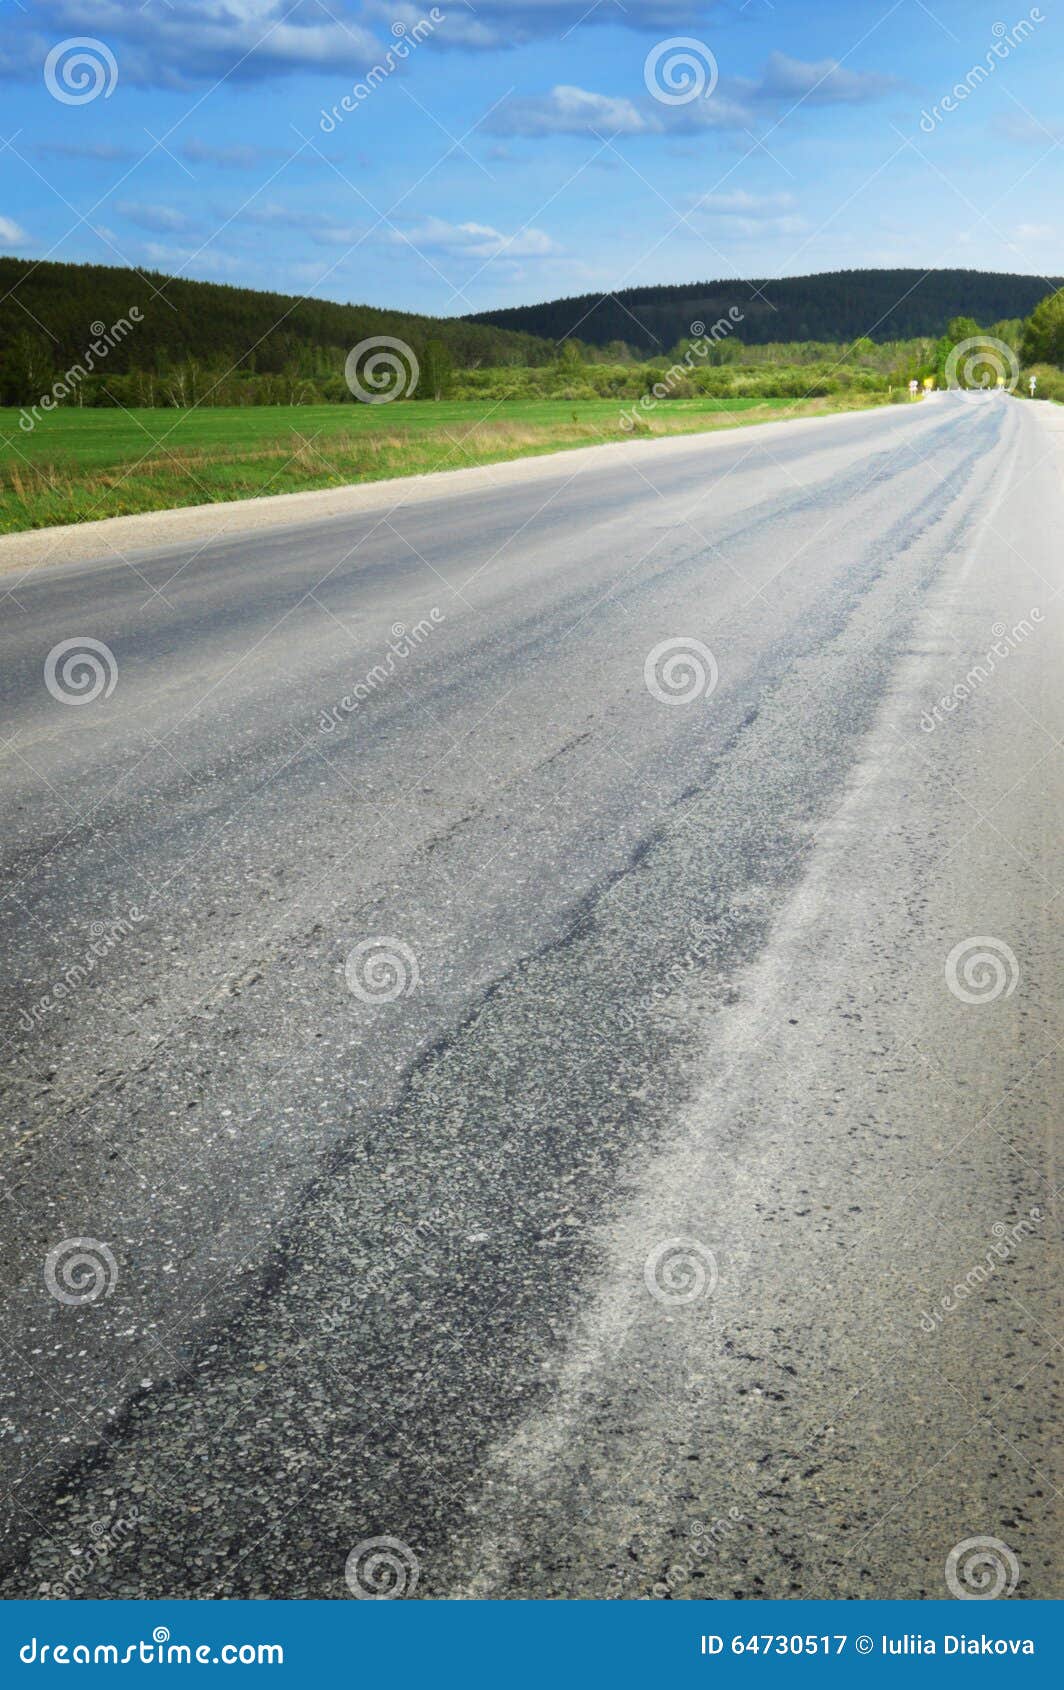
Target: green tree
{"x":437,"y":371}
{"x":26,"y":369}
{"x":1043,"y":335}
{"x":569,"y":355}
{"x":961,"y":328}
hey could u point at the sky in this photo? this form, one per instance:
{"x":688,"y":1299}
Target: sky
{"x":480,"y":153}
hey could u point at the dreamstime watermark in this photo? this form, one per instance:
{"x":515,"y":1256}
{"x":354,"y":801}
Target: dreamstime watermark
{"x":105,"y":1537}
{"x":981,"y":365}
{"x":106,"y":339}
{"x":381,"y":969}
{"x":381,"y":369}
{"x":700,"y":949}
{"x":982,"y":969}
{"x":80,"y":670}
{"x":981,"y":1569}
{"x":680,"y":670}
{"x":680,"y":70}
{"x":160,"y":1652}
{"x":408,"y":37}
{"x":1007,"y":1240}
{"x":103,"y":937}
{"x":704,"y":1541}
{"x":381,"y":1569}
{"x":80,"y":1270}
{"x":680,"y":1271}
{"x":704,"y":340}
{"x":1006,"y":40}
{"x":79,"y":70}
{"x":1006,"y":640}
{"x":409,"y":1247}
{"x":403,"y":643}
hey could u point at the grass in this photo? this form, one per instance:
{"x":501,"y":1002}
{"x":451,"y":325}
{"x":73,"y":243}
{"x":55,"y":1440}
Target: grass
{"x":78,"y":465}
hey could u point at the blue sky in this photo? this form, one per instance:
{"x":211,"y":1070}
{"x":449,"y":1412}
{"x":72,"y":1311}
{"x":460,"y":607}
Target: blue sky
{"x":523,"y":150}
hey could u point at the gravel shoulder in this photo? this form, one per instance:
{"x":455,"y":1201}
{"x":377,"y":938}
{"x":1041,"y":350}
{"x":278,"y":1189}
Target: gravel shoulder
{"x":132,"y":536}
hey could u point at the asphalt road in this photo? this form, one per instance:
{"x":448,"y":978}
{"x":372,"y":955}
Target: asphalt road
{"x":667,"y":1208}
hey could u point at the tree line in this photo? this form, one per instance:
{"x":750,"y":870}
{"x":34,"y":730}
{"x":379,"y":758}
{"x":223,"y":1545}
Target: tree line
{"x":175,"y":343}
{"x":839,"y":305}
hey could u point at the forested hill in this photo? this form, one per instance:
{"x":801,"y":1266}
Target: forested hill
{"x":264,"y":333}
{"x":839,"y":305}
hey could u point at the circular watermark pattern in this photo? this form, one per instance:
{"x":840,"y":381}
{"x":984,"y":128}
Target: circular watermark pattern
{"x":680,"y":70}
{"x":680,"y":670}
{"x":80,"y":1270}
{"x":981,"y":365}
{"x":79,"y":70}
{"x":381,"y":969}
{"x":680,"y":1271}
{"x":981,"y":1569}
{"x":982,"y":969}
{"x":80,"y":670}
{"x":381,"y":1569}
{"x":381,"y":369}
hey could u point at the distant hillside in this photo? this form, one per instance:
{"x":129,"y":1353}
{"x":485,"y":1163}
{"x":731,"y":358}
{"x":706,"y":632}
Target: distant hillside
{"x":47,"y":312}
{"x":838,"y":305}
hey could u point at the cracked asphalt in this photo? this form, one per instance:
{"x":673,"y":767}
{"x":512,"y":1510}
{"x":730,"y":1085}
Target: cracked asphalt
{"x":664,"y":1203}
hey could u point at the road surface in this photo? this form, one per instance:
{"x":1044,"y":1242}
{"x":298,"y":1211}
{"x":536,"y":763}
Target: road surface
{"x":549,"y":1027}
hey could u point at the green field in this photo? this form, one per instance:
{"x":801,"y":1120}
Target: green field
{"x":78,"y":465}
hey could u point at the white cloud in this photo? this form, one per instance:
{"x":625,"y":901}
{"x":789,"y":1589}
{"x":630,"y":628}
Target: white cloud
{"x":1029,"y":131}
{"x":475,"y":240}
{"x":163,"y":219}
{"x":739,"y":201}
{"x":235,"y":157}
{"x":104,"y":152}
{"x":205,"y":259}
{"x":823,"y":82}
{"x":319,"y":230}
{"x":568,"y":110}
{"x":745,"y":215}
{"x":510,"y":23}
{"x":12,"y":233}
{"x":185,"y":42}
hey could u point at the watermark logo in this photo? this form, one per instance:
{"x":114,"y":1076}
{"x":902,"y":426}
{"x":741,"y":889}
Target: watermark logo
{"x":680,"y":70}
{"x":381,"y":369}
{"x":103,"y":937}
{"x":1006,"y":1242}
{"x":380,"y":970}
{"x":381,"y":1569}
{"x":403,"y":643}
{"x":80,"y":1270}
{"x":981,"y":970}
{"x":1005,"y":41}
{"x":981,"y":1569}
{"x":680,"y":670}
{"x":408,"y":36}
{"x":1006,"y":640}
{"x":680,"y":1271}
{"x":79,"y":70}
{"x":107,"y":1537}
{"x":104,"y":341}
{"x":981,"y":365}
{"x":80,"y":670}
{"x":703,"y":342}
{"x":704,"y":1541}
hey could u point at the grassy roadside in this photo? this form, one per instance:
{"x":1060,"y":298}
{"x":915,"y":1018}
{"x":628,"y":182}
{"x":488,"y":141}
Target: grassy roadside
{"x":81,"y":465}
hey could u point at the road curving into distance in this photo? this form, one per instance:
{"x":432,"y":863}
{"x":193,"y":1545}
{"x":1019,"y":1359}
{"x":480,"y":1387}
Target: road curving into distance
{"x":532,"y":1027}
